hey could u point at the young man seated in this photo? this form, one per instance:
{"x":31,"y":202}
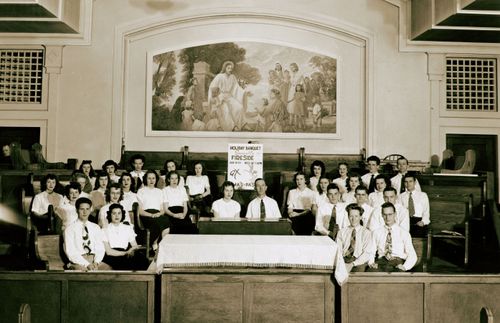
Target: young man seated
{"x":83,"y":240}
{"x":355,"y":241}
{"x":362,"y":200}
{"x":402,"y":217}
{"x":417,"y":204}
{"x":368,"y":179}
{"x":394,"y":248}
{"x":262,"y":207}
{"x":331,"y":216}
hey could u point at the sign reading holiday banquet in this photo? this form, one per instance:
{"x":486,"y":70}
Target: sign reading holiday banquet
{"x":244,"y":164}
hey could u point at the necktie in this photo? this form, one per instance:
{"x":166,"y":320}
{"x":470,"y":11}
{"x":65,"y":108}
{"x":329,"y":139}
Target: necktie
{"x":350,"y":250}
{"x":86,"y":240}
{"x":262,"y":210}
{"x":388,"y":242}
{"x":402,"y":187}
{"x":371,"y":187}
{"x":332,"y":225}
{"x":411,"y":206}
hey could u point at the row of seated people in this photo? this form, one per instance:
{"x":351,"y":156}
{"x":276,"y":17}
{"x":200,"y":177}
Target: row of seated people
{"x":172,"y":201}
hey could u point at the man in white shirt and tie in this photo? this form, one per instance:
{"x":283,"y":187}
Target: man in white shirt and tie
{"x":83,"y":241}
{"x":402,"y":217}
{"x":331,"y":216}
{"x":262,"y":207}
{"x":368,"y":179}
{"x":398,"y":181}
{"x":417,"y":204}
{"x":355,"y":241}
{"x":362,"y":200}
{"x":394,"y":248}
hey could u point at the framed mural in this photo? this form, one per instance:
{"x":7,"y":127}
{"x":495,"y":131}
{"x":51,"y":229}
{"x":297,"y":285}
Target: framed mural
{"x":226,"y":89}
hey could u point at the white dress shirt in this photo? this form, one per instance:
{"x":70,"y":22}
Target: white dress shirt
{"x":421,"y":203}
{"x":175,"y":196}
{"x":320,"y":199}
{"x":349,"y":197}
{"x":376,"y":199}
{"x":366,"y":178}
{"x":313,"y":183}
{"x":402,"y":218}
{"x":325,"y":213}
{"x":272,"y":209}
{"x":226,"y":209}
{"x":402,"y":245}
{"x":73,"y":242}
{"x":118,"y":236}
{"x":396,"y":183}
{"x":300,"y":199}
{"x":41,"y":202}
{"x":367,"y":214}
{"x":150,"y":198}
{"x":341,"y":183}
{"x":363,"y":249}
{"x":197,"y":184}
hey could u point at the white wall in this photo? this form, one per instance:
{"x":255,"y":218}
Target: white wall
{"x":378,"y":86}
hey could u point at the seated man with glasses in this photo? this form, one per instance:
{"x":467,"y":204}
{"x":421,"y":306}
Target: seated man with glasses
{"x":83,"y":240}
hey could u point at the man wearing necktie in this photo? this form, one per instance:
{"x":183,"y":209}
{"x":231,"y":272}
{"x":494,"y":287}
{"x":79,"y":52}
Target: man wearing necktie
{"x":355,"y":241}
{"x":398,"y":181}
{"x":417,"y":204}
{"x":394,"y":248}
{"x":331,"y":215}
{"x":368,"y":179}
{"x":83,"y":241}
{"x":262,"y":207}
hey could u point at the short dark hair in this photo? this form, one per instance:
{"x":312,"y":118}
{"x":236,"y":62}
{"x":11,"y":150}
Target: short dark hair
{"x":390,"y":189}
{"x":82,"y":200}
{"x":137,"y":156}
{"x":373,"y":158}
{"x":332,"y":186}
{"x":387,"y":205}
{"x":111,"y":208}
{"x":109,"y":162}
{"x":354,"y":206}
{"x":145,"y":177}
{"x":259,"y":179}
{"x":227,"y":184}
{"x":361,"y":188}
{"x":410,"y":175}
{"x":402,"y":158}
{"x":72,"y":185}
{"x":320,"y":164}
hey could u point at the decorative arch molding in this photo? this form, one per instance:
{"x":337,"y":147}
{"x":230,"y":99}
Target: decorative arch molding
{"x":253,"y":25}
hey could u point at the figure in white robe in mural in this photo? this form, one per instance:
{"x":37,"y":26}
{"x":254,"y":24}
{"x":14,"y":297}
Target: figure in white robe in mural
{"x":231,"y":96}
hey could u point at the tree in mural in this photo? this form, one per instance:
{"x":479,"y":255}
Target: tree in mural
{"x":163,"y":83}
{"x":327,"y":78}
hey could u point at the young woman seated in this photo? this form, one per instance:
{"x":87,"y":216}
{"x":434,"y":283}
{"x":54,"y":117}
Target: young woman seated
{"x":113,"y":195}
{"x":119,"y":242}
{"x":226,"y":207}
{"x":42,"y":201}
{"x":98,"y":195}
{"x":128,"y":186}
{"x":199,"y":190}
{"x":175,"y":198}
{"x":170,"y":165}
{"x":318,"y":170}
{"x":320,"y":194}
{"x":151,"y":207}
{"x":85,"y":185}
{"x":87,"y":169}
{"x":66,"y":211}
{"x":341,"y":181}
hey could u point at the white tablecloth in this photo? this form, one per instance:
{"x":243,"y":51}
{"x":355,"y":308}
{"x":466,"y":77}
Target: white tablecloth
{"x":307,"y":252}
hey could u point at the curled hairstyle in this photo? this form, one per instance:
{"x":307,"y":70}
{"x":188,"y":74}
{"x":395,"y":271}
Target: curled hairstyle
{"x":373,"y":158}
{"x":87,"y":162}
{"x":99,"y":175}
{"x":72,"y":185}
{"x":349,"y":178}
{"x":320,"y":164}
{"x":173,"y":172}
{"x":132,"y":181}
{"x":109,"y":162}
{"x":199,"y":162}
{"x":145,"y":177}
{"x":43,"y":183}
{"x":226,"y":184}
{"x":354,"y":206}
{"x":107,"y":194}
{"x":110,"y":210}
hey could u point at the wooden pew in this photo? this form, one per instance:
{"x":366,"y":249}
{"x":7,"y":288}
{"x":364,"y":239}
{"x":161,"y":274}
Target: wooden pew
{"x":49,"y":252}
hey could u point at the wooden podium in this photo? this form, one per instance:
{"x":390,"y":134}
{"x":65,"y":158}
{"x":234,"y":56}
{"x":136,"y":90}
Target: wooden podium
{"x":245,"y":226}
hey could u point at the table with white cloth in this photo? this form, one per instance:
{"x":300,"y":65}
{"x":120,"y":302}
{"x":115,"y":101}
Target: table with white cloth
{"x":244,"y":278}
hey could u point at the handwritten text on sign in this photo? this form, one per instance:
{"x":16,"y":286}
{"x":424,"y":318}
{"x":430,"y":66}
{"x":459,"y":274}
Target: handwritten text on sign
{"x":244,"y":164}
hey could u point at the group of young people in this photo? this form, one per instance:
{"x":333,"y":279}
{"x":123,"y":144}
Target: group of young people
{"x":369,"y":216}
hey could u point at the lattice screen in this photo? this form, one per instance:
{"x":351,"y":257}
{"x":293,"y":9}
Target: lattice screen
{"x":21,"y":74}
{"x":471,"y":84}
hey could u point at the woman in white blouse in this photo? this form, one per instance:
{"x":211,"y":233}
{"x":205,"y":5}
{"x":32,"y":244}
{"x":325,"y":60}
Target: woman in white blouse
{"x":151,"y":207}
{"x":119,"y":242}
{"x":199,"y":190}
{"x":175,"y":199}
{"x":226,"y":207}
{"x":318,"y":170}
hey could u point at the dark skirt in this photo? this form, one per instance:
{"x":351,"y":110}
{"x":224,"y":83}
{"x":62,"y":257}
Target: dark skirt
{"x":181,"y":226}
{"x":137,"y":262}
{"x":303,"y":225}
{"x":155,"y":225}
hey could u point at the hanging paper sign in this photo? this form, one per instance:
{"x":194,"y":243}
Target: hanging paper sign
{"x":244,"y":164}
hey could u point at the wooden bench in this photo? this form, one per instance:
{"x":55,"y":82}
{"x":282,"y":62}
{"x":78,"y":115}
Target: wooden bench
{"x":49,"y":252}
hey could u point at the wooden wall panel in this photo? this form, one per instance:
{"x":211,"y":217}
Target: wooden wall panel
{"x":462,"y":302}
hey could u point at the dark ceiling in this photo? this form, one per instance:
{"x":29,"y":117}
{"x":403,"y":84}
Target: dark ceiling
{"x":462,"y":21}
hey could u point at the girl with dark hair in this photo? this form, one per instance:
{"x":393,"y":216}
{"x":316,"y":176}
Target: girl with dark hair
{"x":341,"y":181}
{"x":42,"y":201}
{"x":226,"y":207}
{"x":176,"y":207}
{"x":199,"y":190}
{"x":87,"y":169}
{"x":318,"y":170}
